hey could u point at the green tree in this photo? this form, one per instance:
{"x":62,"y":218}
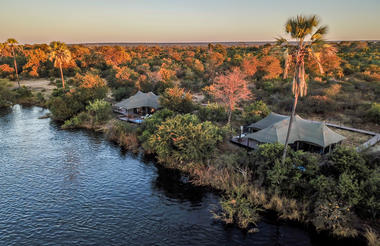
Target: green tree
{"x":184,"y":139}
{"x":178,"y":100}
{"x":255,"y":112}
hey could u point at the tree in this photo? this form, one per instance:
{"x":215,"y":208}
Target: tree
{"x":11,"y":48}
{"x":177,"y":99}
{"x":230,"y":89}
{"x":61,"y":55}
{"x":249,"y":65}
{"x":300,"y":28}
{"x":185,"y":139}
{"x":269,"y":67}
{"x":36,"y":56}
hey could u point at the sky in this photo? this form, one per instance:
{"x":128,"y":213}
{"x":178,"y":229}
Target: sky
{"x":87,"y":21}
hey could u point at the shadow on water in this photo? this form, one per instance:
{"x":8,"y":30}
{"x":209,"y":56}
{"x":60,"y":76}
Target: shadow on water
{"x":176,"y":186}
{"x":5,"y":111}
{"x":106,"y":194}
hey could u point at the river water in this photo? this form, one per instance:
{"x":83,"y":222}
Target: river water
{"x":75,"y":188}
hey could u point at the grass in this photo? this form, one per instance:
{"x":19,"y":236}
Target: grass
{"x":372,"y":238}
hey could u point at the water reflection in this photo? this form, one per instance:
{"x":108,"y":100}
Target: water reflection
{"x":75,"y":188}
{"x":173,"y":185}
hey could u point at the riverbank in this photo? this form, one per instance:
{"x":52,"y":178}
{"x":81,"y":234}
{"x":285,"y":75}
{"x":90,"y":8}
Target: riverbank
{"x":234,"y":183}
{"x":250,"y":182}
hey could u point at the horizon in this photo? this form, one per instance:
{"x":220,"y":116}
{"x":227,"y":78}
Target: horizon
{"x":170,"y":21}
{"x":261,"y":42}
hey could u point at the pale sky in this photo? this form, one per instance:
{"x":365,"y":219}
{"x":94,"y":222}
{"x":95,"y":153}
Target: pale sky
{"x":76,"y":21}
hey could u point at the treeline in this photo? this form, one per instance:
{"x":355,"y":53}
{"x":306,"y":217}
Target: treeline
{"x":193,"y":67}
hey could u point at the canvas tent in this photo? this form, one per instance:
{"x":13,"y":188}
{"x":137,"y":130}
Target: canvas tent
{"x":271,"y":119}
{"x":140,"y":101}
{"x":303,"y":131}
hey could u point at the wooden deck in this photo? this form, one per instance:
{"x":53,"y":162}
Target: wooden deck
{"x":131,"y":120}
{"x":371,"y":142}
{"x":351,"y":129}
{"x":244,"y":142}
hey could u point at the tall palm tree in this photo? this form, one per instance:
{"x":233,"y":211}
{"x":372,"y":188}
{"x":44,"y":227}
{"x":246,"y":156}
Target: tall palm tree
{"x":307,"y":33}
{"x":11,"y":48}
{"x":61,"y":55}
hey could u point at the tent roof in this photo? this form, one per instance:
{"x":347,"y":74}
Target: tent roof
{"x":302,"y":130}
{"x":271,"y":119}
{"x":140,"y":100}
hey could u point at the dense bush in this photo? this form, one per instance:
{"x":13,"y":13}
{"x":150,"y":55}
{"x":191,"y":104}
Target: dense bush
{"x":346,"y":183}
{"x":100,"y":110}
{"x":124,"y":134}
{"x":184,"y":139}
{"x":65,"y":104}
{"x":237,"y":208}
{"x":150,"y":126}
{"x":6,"y":95}
{"x":212,"y":112}
{"x":374,"y":113}
{"x":178,"y":100}
{"x":255,"y":112}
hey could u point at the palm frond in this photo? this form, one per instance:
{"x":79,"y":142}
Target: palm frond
{"x":280,"y":41}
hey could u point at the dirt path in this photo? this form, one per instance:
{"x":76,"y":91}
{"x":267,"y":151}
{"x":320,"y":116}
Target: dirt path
{"x":38,"y":85}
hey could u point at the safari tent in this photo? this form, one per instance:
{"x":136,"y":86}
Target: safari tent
{"x":305,"y":134}
{"x":141,"y":104}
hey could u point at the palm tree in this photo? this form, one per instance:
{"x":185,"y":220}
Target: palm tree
{"x":300,"y":29}
{"x":61,"y":55}
{"x":11,"y":47}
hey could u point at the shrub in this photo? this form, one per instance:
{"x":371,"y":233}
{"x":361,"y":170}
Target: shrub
{"x":212,"y":112}
{"x":65,"y":104}
{"x":255,"y":112}
{"x":6,"y":95}
{"x":183,"y":139}
{"x":374,"y":113}
{"x":74,"y":122}
{"x":332,"y":216}
{"x":64,"y":107}
{"x":238,"y":209}
{"x":371,"y":192}
{"x":344,"y":159}
{"x":100,"y":110}
{"x":348,"y":189}
{"x":150,"y":126}
{"x":124,"y":134}
{"x":178,"y":100}
{"x":123,"y":92}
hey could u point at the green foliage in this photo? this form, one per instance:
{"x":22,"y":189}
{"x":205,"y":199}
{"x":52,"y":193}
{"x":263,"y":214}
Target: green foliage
{"x":23,"y":92}
{"x":123,"y":92}
{"x":100,"y":110}
{"x":374,"y":113}
{"x":330,"y":215}
{"x":237,"y":208}
{"x":184,"y":139}
{"x":177,"y":100}
{"x":64,"y":105}
{"x":255,"y":112}
{"x":212,"y":112}
{"x":371,"y":193}
{"x":344,"y":159}
{"x":6,"y":95}
{"x":150,"y":126}
{"x":76,"y":121}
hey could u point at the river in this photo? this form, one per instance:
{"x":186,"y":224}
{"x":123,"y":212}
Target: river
{"x":62,"y":187}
